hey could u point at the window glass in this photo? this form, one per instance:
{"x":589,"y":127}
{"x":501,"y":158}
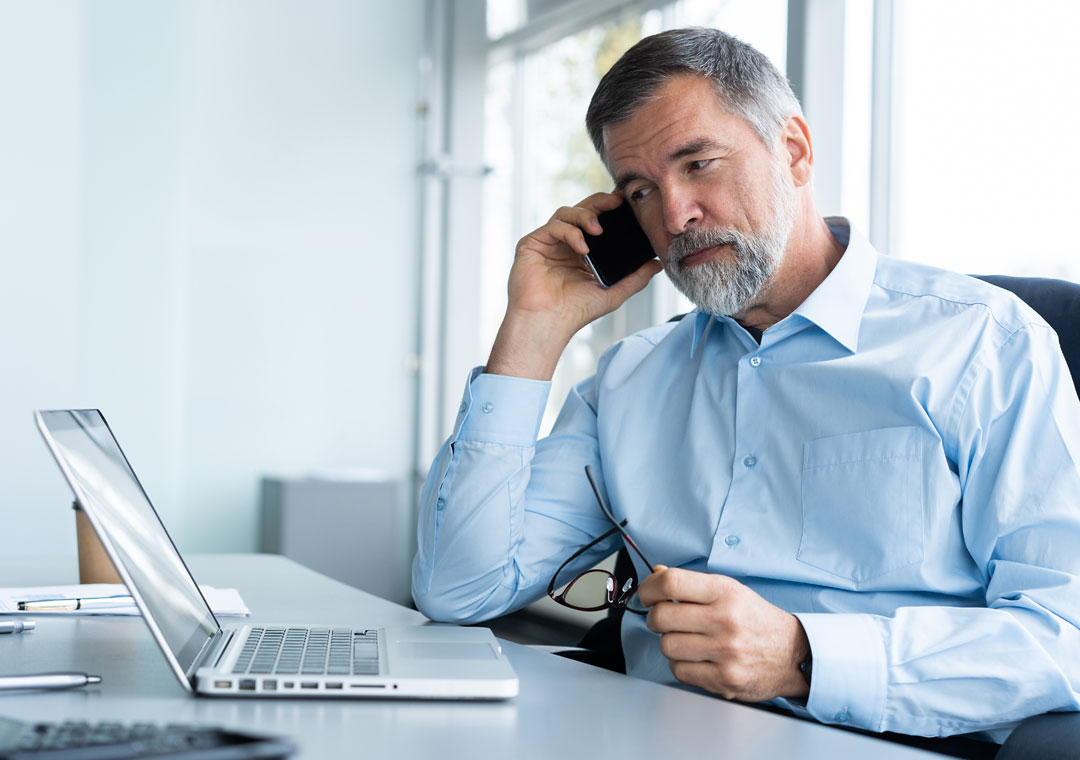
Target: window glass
{"x":500,"y":222}
{"x":985,"y":104}
{"x":856,"y":118}
{"x":504,"y":16}
{"x":762,"y":23}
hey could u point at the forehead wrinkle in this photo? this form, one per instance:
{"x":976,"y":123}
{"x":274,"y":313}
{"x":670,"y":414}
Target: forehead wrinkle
{"x":635,"y":143}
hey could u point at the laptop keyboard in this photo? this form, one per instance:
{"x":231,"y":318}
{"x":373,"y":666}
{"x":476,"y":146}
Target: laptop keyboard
{"x":309,"y":651}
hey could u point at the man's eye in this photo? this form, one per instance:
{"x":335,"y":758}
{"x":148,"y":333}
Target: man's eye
{"x":639,"y":193}
{"x":701,"y":163}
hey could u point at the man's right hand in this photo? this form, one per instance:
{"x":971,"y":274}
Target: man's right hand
{"x":553,"y":294}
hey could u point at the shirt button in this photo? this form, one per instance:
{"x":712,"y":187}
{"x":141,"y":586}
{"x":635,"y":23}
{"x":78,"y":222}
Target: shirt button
{"x":440,"y":504}
{"x":487,"y":407}
{"x":731,"y":540}
{"x":842,"y":716}
{"x":461,"y":408}
{"x":750,"y":461}
{"x":755,"y":361}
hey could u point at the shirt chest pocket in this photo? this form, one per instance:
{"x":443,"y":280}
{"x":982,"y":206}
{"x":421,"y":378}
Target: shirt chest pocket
{"x":862,"y":503}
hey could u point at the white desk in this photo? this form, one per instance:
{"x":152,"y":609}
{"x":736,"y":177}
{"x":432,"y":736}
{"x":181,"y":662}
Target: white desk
{"x":565,"y":709}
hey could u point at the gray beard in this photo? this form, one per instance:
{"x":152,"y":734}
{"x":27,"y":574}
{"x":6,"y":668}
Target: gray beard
{"x":727,"y":286}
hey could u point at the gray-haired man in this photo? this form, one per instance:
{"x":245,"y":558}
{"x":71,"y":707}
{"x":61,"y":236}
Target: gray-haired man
{"x":860,"y":474}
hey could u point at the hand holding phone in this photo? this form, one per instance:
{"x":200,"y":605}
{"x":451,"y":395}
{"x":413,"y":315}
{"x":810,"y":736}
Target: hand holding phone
{"x":551,"y":294}
{"x":621,"y":249}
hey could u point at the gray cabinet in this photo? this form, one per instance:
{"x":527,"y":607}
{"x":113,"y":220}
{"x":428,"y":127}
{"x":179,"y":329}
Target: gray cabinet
{"x":350,"y":530}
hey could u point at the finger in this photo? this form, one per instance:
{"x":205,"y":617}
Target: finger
{"x":688,"y":617}
{"x":700,"y":674}
{"x":688,"y":647}
{"x":680,"y":585}
{"x":600,"y":202}
{"x":636,"y":281}
{"x":557,"y":231}
{"x":580,"y":217}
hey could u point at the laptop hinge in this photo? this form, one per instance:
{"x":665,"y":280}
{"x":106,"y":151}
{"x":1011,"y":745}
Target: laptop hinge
{"x":213,"y":650}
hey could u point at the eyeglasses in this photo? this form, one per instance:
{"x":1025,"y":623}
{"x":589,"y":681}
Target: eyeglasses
{"x":598,"y":589}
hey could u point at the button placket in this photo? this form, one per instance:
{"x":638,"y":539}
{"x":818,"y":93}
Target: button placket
{"x":751,"y":397}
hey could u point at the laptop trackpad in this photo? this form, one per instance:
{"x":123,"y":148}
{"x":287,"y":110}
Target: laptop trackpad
{"x":444,"y":650}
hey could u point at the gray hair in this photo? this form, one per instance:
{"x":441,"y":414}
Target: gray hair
{"x":746,"y":82}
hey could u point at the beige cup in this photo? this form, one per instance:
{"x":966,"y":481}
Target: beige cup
{"x":94,"y":564}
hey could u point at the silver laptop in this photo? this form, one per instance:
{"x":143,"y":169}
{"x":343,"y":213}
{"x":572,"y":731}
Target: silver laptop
{"x":432,"y":662}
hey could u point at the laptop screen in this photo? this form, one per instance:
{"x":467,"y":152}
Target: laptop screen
{"x":114,"y":500}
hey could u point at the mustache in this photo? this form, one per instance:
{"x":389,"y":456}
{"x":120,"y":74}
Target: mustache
{"x":686,"y":243}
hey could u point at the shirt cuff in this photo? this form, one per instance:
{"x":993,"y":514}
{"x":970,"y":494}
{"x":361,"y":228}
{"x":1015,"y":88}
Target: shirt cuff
{"x":849,"y":677}
{"x":501,"y":409}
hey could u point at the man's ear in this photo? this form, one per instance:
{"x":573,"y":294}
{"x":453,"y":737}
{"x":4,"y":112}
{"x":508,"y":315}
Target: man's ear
{"x":795,"y":139}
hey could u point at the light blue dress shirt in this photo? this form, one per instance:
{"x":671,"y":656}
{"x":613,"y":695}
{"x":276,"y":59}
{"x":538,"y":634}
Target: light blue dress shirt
{"x":896,"y":464}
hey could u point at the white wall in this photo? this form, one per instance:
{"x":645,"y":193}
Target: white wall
{"x":207,"y":229}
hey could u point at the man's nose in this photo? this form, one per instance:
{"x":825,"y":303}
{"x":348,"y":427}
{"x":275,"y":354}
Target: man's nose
{"x":681,"y":211}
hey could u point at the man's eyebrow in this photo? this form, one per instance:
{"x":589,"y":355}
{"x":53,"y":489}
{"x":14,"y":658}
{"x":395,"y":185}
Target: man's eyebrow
{"x":625,"y":179}
{"x":700,"y":145}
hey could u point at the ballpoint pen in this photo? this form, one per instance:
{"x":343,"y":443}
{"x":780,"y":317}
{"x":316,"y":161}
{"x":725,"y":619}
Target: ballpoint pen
{"x":47,"y":681}
{"x":70,"y":605}
{"x":16,"y":626}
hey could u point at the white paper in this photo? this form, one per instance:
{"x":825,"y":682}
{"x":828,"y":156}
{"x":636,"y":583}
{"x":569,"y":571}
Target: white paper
{"x":223,"y":601}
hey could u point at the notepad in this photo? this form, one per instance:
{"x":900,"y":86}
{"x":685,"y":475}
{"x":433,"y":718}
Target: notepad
{"x":223,"y":601}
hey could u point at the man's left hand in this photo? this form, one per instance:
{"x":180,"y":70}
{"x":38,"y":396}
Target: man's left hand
{"x":721,"y":636}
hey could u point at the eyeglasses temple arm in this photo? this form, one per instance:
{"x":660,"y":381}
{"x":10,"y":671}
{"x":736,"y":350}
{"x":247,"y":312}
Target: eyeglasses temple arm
{"x":611,"y":516}
{"x":632,"y":545}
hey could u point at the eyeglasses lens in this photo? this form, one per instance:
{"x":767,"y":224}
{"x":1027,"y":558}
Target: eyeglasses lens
{"x":593,"y":590}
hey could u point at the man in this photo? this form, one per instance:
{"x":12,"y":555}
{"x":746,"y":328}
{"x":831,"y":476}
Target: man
{"x":859,"y":474}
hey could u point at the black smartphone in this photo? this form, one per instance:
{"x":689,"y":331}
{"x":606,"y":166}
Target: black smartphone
{"x":622,"y":248}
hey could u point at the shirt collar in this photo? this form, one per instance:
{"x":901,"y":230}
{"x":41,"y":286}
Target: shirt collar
{"x":837,"y":304}
{"x":701,"y":321}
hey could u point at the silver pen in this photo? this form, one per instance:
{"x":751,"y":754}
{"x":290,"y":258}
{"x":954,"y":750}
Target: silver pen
{"x":71,"y":605}
{"x":48,"y":681}
{"x":16,"y":626}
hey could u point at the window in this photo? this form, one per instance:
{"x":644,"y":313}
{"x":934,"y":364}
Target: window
{"x":984,"y":170}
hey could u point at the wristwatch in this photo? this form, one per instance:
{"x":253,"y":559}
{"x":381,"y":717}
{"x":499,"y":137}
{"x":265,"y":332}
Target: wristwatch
{"x":806,"y":667}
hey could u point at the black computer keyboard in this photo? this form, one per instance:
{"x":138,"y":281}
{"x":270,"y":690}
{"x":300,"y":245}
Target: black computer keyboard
{"x":76,"y":740}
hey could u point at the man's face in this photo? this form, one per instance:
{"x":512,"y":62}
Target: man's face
{"x":715,"y":202}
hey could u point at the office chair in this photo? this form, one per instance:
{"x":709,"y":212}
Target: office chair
{"x":1053,"y":736}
